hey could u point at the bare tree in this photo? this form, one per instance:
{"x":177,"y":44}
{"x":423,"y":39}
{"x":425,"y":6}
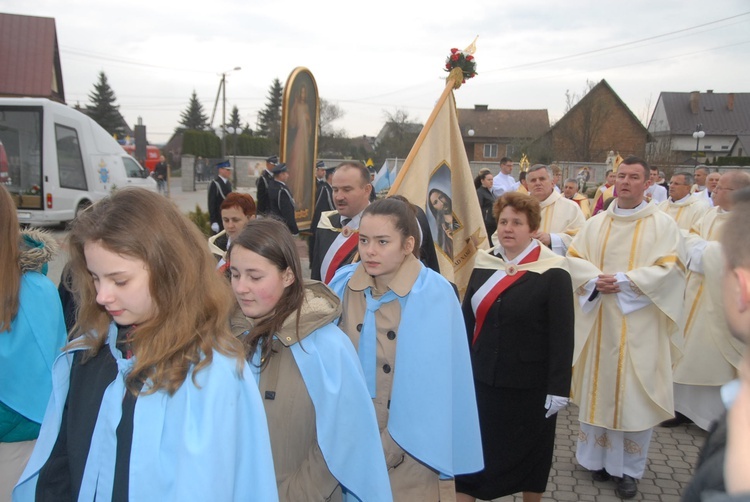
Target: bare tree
{"x":397,"y":135}
{"x":580,"y":126}
{"x":572,"y":98}
{"x":329,"y":113}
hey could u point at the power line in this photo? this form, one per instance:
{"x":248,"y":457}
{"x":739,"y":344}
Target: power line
{"x":624,"y":65}
{"x":572,"y":56}
{"x":616,"y":46}
{"x":72,"y":51}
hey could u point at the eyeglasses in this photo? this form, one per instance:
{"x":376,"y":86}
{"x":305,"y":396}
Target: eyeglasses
{"x":677,"y":184}
{"x":719,"y":188}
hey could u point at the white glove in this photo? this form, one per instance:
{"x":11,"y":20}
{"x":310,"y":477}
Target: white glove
{"x":215,"y":227}
{"x":553,"y":404}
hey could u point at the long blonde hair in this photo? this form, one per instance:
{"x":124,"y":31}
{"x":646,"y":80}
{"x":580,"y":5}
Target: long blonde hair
{"x":10,"y":269}
{"x":191,"y":301}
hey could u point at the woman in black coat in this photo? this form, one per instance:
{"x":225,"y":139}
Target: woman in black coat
{"x":518,"y":309}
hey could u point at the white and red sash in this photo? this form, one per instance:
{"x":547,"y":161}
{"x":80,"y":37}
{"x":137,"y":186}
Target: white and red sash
{"x":535,"y":258}
{"x":341,"y":247}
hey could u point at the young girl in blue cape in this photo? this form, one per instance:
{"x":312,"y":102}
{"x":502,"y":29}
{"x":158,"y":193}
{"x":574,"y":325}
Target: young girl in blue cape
{"x":406,"y":323}
{"x":153,"y":399}
{"x":32,"y":332}
{"x":324,"y":435}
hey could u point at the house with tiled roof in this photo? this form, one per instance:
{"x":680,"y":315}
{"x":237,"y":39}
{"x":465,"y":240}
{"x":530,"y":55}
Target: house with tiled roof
{"x":724,"y":118}
{"x":489,"y":135}
{"x":598,"y":123}
{"x":30,"y":58}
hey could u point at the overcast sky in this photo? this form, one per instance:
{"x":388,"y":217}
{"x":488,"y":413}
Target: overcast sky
{"x":372,"y":57}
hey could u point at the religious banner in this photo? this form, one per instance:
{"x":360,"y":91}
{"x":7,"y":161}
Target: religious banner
{"x":299,"y":140}
{"x":437,"y":177}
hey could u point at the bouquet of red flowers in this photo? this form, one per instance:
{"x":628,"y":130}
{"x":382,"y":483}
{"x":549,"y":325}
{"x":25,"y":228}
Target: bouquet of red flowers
{"x":458,"y":59}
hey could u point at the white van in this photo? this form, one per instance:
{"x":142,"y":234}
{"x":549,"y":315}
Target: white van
{"x":57,"y":161}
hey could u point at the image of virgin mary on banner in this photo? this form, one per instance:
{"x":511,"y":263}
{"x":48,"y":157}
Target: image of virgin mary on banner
{"x":443,"y":221}
{"x":299,"y":140}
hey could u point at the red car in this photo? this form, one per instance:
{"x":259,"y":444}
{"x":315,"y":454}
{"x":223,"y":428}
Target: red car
{"x":152,"y":156}
{"x":4,"y":174}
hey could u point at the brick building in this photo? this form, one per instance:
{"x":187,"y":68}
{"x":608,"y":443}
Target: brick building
{"x":489,"y":135}
{"x":600,"y":122}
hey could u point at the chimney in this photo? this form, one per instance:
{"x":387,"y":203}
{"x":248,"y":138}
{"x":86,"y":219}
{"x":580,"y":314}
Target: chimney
{"x":481,"y":108}
{"x":695,"y":102}
{"x":709,"y":91}
{"x":730,"y":102}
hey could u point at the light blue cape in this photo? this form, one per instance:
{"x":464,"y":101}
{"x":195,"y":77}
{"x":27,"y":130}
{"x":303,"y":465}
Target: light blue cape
{"x":202,"y":443}
{"x":433,"y":409}
{"x":345,"y":420}
{"x":27,"y":352}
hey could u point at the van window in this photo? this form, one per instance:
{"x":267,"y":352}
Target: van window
{"x":132,"y":168}
{"x":21,"y":154}
{"x":69,"y":160}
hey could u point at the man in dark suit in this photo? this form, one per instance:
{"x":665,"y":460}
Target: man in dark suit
{"x":486,"y":201}
{"x":323,"y":201}
{"x":262,"y":183}
{"x":336,"y":236}
{"x":281,"y":202}
{"x":218,"y":190}
{"x":373,"y":195}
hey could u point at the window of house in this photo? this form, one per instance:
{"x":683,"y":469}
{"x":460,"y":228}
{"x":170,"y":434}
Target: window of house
{"x":490,"y":151}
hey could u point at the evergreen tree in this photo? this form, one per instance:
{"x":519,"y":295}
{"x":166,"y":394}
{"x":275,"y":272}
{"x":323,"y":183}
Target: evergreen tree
{"x":194,"y":118}
{"x":234,"y":118}
{"x":102,"y":107}
{"x":269,"y":119}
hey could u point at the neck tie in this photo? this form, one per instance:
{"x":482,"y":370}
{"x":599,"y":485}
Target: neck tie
{"x":345,"y":222}
{"x":368,"y":337}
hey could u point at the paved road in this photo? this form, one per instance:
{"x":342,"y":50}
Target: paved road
{"x":672,"y":455}
{"x":671,"y":458}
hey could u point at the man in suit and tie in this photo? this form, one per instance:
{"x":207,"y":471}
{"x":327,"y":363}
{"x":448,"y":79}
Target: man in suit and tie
{"x":336,"y":234}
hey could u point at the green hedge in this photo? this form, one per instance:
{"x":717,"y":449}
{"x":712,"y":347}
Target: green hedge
{"x":733,"y":161}
{"x":208,"y":144}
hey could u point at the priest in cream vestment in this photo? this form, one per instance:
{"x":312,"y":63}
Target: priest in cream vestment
{"x":711,"y":355}
{"x":561,"y":217}
{"x":686,"y":209}
{"x":629,"y":278}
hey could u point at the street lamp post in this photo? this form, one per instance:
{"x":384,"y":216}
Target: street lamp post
{"x":234,"y":131}
{"x":698,"y":134}
{"x":223,"y":93}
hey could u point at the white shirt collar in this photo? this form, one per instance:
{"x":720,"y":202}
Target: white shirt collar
{"x":501,"y":252}
{"x":627,"y":212}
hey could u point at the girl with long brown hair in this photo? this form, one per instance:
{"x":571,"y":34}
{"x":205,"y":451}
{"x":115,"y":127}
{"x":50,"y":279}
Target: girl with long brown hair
{"x":324,"y":436}
{"x":32,"y":332}
{"x":152,"y":400}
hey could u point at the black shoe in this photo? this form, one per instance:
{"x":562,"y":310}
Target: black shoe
{"x":626,"y":487}
{"x":601,"y":475}
{"x":679,"y":419}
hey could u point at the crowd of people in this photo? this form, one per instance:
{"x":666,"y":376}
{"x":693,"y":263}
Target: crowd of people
{"x":184,"y":375}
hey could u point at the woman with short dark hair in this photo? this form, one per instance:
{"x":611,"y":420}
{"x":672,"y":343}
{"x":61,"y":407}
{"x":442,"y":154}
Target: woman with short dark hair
{"x":518,"y":310}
